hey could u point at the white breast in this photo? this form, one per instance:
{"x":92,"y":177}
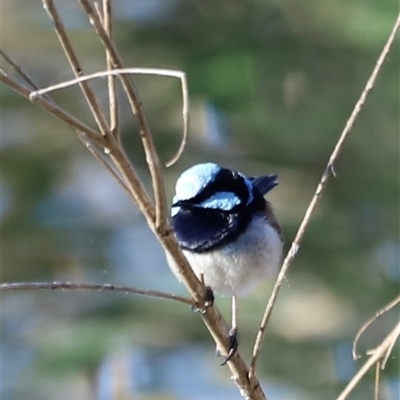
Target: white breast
{"x":236,"y":268}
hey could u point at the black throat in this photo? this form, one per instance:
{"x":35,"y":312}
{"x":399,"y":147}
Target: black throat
{"x":204,"y":229}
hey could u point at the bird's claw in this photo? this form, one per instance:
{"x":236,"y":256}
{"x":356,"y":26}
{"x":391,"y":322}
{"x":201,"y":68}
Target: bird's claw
{"x":208,"y":302}
{"x":233,"y":346}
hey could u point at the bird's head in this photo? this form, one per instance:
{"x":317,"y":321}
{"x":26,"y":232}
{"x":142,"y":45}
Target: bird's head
{"x":210,"y":186}
{"x":214,"y":205}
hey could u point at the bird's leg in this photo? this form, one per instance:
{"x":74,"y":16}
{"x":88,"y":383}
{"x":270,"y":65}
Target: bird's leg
{"x":208,"y":299}
{"x":233,"y":340}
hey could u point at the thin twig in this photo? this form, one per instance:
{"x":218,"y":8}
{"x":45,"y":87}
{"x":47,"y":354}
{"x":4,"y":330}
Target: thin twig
{"x":19,"y":70}
{"x":389,"y":351}
{"x":76,"y":66}
{"x":135,"y":187}
{"x":100,"y":158}
{"x":377,"y":380}
{"x":378,"y":354}
{"x":378,"y":314}
{"x":137,"y":108}
{"x":99,"y":10}
{"x":112,"y":87}
{"x":83,"y":132}
{"x":250,"y":387}
{"x":143,"y":71}
{"x":318,"y":193}
{"x":49,"y":106}
{"x":105,"y":287}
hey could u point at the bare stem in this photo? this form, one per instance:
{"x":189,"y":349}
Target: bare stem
{"x":19,"y":70}
{"x":318,"y":193}
{"x":99,"y":156}
{"x":378,"y":314}
{"x":378,"y":354}
{"x":49,"y":106}
{"x":76,"y":66}
{"x":112,"y":87}
{"x":137,"y":108}
{"x":8,"y":287}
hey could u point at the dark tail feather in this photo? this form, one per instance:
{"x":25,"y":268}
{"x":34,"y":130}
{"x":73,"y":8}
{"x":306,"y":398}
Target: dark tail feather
{"x":265,"y":183}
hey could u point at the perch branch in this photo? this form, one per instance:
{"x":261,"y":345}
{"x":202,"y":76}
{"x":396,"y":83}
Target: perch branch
{"x":249,"y":387}
{"x":8,"y":287}
{"x":318,"y":193}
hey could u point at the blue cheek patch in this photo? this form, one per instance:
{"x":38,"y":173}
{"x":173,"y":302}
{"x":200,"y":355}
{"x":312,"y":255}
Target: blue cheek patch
{"x":221,"y":201}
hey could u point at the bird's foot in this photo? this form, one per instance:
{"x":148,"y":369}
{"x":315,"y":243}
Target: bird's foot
{"x":233,"y":346}
{"x":208,"y":301}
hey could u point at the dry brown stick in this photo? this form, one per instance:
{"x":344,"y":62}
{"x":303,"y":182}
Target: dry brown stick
{"x":20,"y":72}
{"x":114,"y":72}
{"x":147,"y":208}
{"x":366,"y":324}
{"x":136,"y":189}
{"x":378,"y":354}
{"x":137,"y":108}
{"x":80,"y":134}
{"x":250,"y":388}
{"x":142,"y":199}
{"x":318,"y":193}
{"x":76,"y":66}
{"x":104,"y":13}
{"x":377,"y":380}
{"x":49,"y":106}
{"x":145,"y":71}
{"x":100,"y":158}
{"x":112,"y":86}
{"x":104,"y":287}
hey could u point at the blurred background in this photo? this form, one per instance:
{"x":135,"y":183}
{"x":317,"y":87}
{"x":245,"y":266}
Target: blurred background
{"x":271,"y":84}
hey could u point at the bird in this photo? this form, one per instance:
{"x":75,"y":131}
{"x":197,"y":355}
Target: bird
{"x":227,"y":231}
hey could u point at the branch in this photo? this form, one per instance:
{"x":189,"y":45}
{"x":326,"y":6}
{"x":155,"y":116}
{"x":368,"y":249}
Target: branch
{"x":137,"y":108}
{"x":8,"y":287}
{"x":18,"y":70}
{"x":156,"y":217}
{"x":49,"y":106}
{"x":112,"y":87}
{"x":132,"y":183}
{"x":378,"y":314}
{"x":379,"y":353}
{"x":318,"y":193}
{"x":126,"y":71}
{"x":101,"y":159}
{"x":76,"y":67}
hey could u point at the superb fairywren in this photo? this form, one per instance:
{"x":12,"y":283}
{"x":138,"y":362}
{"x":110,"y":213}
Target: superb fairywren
{"x":226,"y":230}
